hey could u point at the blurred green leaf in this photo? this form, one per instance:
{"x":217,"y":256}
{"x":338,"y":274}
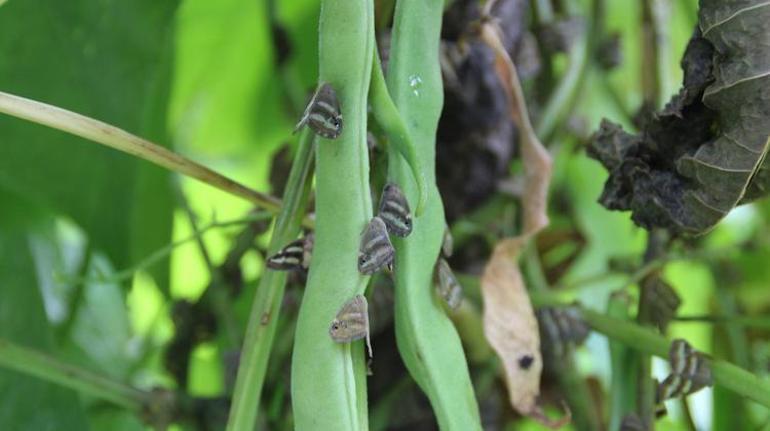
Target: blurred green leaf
{"x":27,"y":403}
{"x":109,"y":60}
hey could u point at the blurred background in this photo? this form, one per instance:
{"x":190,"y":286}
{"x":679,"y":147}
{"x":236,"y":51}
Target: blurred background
{"x":109,"y":263}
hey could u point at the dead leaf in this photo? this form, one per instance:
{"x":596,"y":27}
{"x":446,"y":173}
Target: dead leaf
{"x":510,"y":324}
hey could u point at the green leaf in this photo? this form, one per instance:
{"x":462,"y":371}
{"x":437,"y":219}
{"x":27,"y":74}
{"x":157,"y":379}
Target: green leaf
{"x":27,"y":403}
{"x":108,"y":60}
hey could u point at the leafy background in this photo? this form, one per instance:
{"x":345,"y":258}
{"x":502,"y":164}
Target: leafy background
{"x":210,"y":80}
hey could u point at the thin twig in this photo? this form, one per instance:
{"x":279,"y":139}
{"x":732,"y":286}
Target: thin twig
{"x":161,"y":253}
{"x":119,"y":139}
{"x":185,"y":204}
{"x":655,"y":51}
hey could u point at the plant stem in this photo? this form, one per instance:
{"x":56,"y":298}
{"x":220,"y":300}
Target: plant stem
{"x":387,"y":116}
{"x":562,"y":99}
{"x":263,"y":319}
{"x":40,"y":365}
{"x":427,"y":341}
{"x":645,"y":340}
{"x":113,"y":137}
{"x":328,"y":379}
{"x":655,"y":51}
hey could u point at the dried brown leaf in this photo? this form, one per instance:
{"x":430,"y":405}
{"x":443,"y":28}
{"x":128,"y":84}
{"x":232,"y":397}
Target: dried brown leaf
{"x":510,"y":324}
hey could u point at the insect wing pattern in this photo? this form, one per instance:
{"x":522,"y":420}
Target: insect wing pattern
{"x":447,"y":285}
{"x":352,"y":322}
{"x":295,"y":255}
{"x":323,"y":113}
{"x":375,"y":251}
{"x":394,"y":211}
{"x":689,"y":372}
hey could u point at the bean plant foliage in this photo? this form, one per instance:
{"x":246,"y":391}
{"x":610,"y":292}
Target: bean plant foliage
{"x":384,"y":215}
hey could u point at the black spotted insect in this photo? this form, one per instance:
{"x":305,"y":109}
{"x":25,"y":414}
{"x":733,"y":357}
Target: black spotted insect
{"x":375,"y":250}
{"x":352,"y":322}
{"x":323,"y":113}
{"x":446,"y":283}
{"x":295,"y":255}
{"x":689,"y":372}
{"x":394,"y":211}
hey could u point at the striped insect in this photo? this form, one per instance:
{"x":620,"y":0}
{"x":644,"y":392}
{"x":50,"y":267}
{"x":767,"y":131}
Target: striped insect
{"x":561,"y":330}
{"x":447,"y":285}
{"x":375,"y":250}
{"x":689,"y":372}
{"x":295,"y":255}
{"x":323,"y":113}
{"x":394,"y":211}
{"x":662,"y":301}
{"x":352,"y":322}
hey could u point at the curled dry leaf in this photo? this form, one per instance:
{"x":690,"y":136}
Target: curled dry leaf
{"x":510,"y":324}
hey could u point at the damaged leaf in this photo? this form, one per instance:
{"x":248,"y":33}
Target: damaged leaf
{"x":510,"y":325}
{"x":703,"y":154}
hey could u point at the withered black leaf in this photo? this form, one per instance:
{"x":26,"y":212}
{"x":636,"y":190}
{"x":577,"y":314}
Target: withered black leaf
{"x":703,"y":154}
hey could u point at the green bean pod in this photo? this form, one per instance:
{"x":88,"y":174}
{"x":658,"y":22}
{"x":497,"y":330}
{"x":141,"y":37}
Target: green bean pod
{"x":427,"y":340}
{"x":329,"y":379}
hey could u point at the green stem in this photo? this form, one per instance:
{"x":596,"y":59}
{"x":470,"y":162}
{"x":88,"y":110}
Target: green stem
{"x":387,"y":116}
{"x":645,"y":340}
{"x":260,"y":331}
{"x":113,"y":137}
{"x":328,"y":379}
{"x":623,"y":362}
{"x":562,"y":99}
{"x":40,"y":365}
{"x":427,"y":340}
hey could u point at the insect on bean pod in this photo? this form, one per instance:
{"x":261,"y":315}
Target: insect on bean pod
{"x":352,"y":322}
{"x":375,"y":251}
{"x":323,"y":113}
{"x":394,"y":211}
{"x":447,"y":243}
{"x":295,"y":255}
{"x":447,"y":285}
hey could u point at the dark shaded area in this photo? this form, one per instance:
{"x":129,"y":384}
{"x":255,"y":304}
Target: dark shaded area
{"x":475,"y":141}
{"x":644,"y":175}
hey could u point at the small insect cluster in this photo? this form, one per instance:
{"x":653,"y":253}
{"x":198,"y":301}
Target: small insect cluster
{"x":689,"y":373}
{"x":324,"y":117}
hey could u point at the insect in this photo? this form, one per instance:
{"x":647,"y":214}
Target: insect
{"x":689,"y":372}
{"x":323,"y":113}
{"x":447,"y":243}
{"x":352,"y":322}
{"x":375,"y":251}
{"x":394,"y":211}
{"x":446,"y":284}
{"x":561,"y":330}
{"x":295,"y":255}
{"x":663,"y":302}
